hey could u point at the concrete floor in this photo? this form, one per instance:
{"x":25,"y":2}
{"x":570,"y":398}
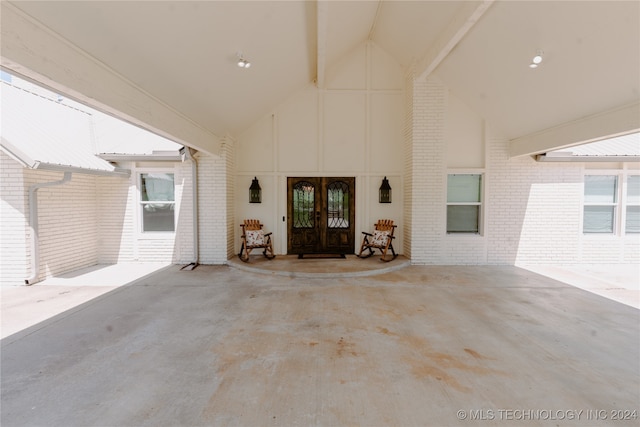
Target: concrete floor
{"x":433,"y":345}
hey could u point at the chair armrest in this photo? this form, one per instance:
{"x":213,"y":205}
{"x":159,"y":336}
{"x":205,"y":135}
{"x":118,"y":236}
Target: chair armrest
{"x":368,"y":234}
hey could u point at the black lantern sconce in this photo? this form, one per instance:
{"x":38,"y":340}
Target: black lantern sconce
{"x":385,"y":191}
{"x":255,"y":192}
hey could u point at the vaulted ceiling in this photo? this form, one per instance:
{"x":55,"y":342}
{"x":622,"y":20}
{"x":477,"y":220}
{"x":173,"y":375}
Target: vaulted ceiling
{"x":179,"y":57}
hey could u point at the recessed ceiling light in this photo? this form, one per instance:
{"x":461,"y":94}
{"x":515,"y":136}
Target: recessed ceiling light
{"x":537,"y":60}
{"x":243,"y":63}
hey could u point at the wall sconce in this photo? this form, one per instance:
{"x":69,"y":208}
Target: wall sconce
{"x":385,"y":191}
{"x":255,"y":192}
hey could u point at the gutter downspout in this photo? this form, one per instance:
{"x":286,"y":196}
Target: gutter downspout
{"x":33,"y":225}
{"x":194,"y":181}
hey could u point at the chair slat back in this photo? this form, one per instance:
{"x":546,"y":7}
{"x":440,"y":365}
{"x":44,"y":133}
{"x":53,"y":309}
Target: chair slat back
{"x":251,"y":224}
{"x":385,"y":225}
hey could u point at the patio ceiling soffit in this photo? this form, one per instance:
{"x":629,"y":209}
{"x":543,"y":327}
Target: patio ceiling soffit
{"x":32,"y":51}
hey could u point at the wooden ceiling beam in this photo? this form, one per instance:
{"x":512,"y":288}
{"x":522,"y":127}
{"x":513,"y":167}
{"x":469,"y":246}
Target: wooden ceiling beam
{"x":459,"y":26}
{"x":615,"y":122}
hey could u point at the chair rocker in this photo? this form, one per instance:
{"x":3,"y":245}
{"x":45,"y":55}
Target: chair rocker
{"x":254,"y":237}
{"x":382,"y":238}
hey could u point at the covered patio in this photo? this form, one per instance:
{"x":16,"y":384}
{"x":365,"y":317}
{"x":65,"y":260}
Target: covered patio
{"x":419,"y":345}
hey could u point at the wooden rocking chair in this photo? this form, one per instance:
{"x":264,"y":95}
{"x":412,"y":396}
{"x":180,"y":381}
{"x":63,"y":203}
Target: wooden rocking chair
{"x":253,"y":237}
{"x":382,"y":238}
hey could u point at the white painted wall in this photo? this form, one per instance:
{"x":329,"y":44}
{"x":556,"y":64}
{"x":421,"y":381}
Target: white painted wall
{"x":351,"y":127}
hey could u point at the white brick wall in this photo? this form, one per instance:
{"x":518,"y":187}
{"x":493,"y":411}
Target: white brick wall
{"x":67,"y":218}
{"x":228,"y":152}
{"x":631,"y":249}
{"x":212,"y":206}
{"x":120,"y":236}
{"x":182,"y":251}
{"x":408,"y":163}
{"x":117,"y":232}
{"x":534,"y":213}
{"x":14,"y":248}
{"x":89,"y":220}
{"x":533,"y":210}
{"x":428,"y":171}
{"x":462,"y":250}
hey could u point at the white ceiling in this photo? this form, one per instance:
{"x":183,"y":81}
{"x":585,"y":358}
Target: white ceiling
{"x":184,"y":53}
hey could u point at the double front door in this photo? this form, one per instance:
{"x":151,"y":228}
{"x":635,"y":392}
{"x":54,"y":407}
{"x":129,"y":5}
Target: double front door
{"x":321,"y":215}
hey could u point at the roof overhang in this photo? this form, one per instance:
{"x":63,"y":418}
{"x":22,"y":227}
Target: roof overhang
{"x":573,"y":158}
{"x":120,"y":172}
{"x":25,"y":160}
{"x":154,"y":156}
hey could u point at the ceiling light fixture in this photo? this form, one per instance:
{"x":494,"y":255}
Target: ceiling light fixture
{"x":537,"y":60}
{"x":243,"y":63}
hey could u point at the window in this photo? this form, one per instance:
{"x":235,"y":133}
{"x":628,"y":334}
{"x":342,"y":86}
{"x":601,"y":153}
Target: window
{"x":464,"y":202}
{"x":600,"y":203}
{"x":632,"y":222}
{"x":338,"y":205}
{"x":304,"y":205}
{"x":157,"y":199}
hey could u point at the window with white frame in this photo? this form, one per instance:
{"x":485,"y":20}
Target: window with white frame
{"x":632,"y":220}
{"x":157,"y":201}
{"x":464,"y":203}
{"x":600,"y":203}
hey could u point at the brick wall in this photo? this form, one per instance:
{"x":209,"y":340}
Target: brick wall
{"x":212,"y":206}
{"x":428,"y":171}
{"x":117,"y":226}
{"x":183,"y":249}
{"x":533,"y":209}
{"x":14,"y":250}
{"x":228,"y":153}
{"x":407,"y":177}
{"x":631,"y":249}
{"x":67,"y":218}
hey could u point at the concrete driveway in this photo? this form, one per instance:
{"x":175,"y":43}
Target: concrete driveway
{"x":445,"y":345}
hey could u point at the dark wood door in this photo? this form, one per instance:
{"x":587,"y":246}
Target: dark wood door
{"x":321,"y":215}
